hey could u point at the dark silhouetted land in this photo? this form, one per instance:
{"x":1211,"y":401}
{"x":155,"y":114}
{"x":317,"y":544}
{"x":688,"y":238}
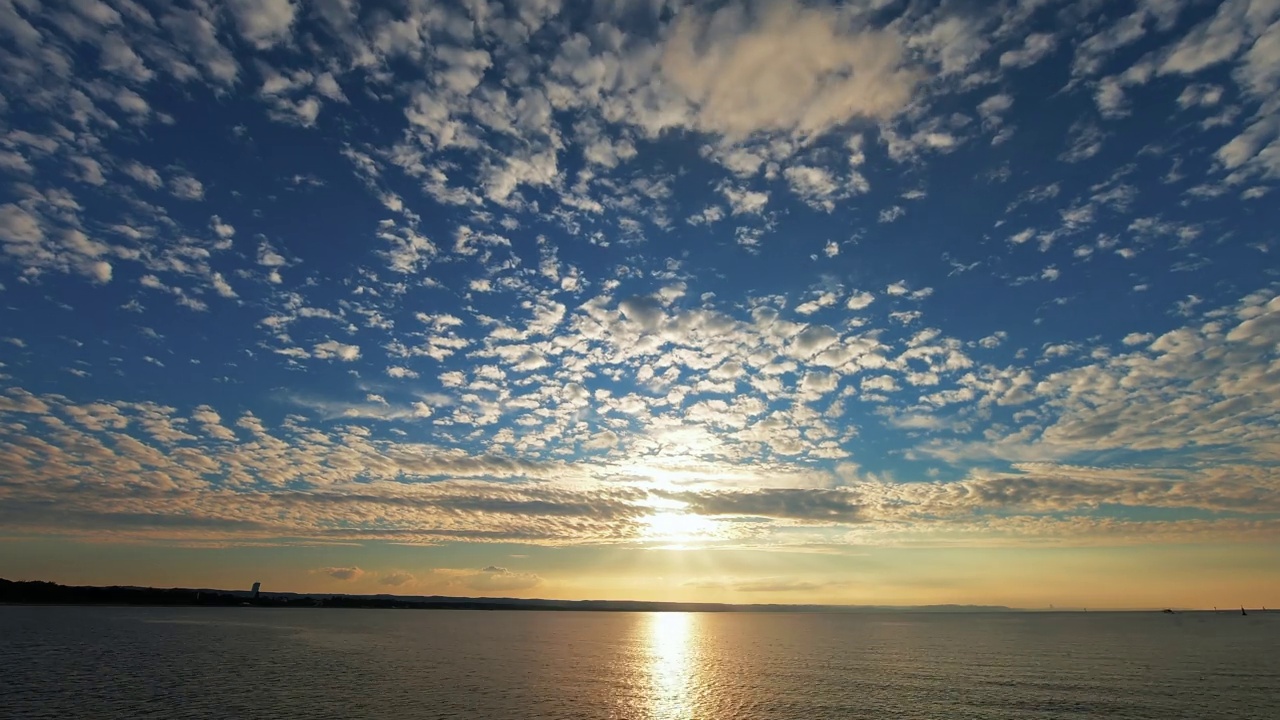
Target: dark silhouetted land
{"x":48,"y":593}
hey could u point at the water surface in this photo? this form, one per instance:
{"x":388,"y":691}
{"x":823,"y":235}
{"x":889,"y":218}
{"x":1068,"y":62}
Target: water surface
{"x":64,"y":662}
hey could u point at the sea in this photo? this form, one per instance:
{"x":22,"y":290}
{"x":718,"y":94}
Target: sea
{"x":98,"y":662}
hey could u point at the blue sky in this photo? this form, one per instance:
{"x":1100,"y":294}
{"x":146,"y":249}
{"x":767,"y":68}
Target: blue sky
{"x":523,"y":286}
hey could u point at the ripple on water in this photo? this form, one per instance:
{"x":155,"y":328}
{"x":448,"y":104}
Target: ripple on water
{"x":225,"y":662}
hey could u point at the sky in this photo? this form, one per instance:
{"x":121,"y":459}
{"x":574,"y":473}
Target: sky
{"x":876,"y":302}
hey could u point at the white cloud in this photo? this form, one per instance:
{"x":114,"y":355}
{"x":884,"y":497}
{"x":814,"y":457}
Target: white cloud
{"x":994,"y":107}
{"x":14,"y":163}
{"x":263,"y":23}
{"x":327,"y":86}
{"x":1200,"y":95}
{"x":17,"y":226}
{"x":1084,"y":141}
{"x":143,"y":174}
{"x":197,"y":37}
{"x":186,"y":187}
{"x":118,"y":57}
{"x":221,"y":286}
{"x":993,"y":340}
{"x":818,"y":67}
{"x":892,"y":213}
{"x":953,"y":43}
{"x":816,"y":186}
{"x":1259,"y":72}
{"x":742,"y":200}
{"x":221,"y":229}
{"x":859,"y":300}
{"x":1212,"y":41}
{"x":823,"y":300}
{"x":90,"y":170}
{"x":267,"y":256}
{"x":1138,"y":338}
{"x":332,"y":349}
{"x":1022,"y":237}
{"x":1034,"y":48}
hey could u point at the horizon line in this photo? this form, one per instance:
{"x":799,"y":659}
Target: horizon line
{"x":939,"y":607}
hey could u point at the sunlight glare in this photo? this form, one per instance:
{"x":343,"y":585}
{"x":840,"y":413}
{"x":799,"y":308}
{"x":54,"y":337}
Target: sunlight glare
{"x":671,"y":665}
{"x":675,"y":526}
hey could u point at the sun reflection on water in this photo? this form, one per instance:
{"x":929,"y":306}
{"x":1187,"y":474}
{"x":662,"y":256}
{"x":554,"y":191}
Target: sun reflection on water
{"x":672,"y":665}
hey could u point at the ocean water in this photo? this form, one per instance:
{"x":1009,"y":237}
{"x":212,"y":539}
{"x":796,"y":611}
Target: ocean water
{"x":76,"y":662}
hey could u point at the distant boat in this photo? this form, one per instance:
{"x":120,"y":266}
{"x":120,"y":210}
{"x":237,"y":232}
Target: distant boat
{"x":1168,"y":611}
{"x":1242,"y":612}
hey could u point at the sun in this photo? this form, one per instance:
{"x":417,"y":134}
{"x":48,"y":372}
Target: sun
{"x":675,"y":526}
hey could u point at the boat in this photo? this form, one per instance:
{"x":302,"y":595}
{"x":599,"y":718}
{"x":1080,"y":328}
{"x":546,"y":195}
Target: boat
{"x":1168,"y":611}
{"x":1242,"y":612}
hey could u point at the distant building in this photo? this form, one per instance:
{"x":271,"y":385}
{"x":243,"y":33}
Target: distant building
{"x":255,"y":589}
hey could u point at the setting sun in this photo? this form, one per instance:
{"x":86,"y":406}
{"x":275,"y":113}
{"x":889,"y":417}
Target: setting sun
{"x":678,"y":526}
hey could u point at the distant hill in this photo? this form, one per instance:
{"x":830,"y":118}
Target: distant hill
{"x":48,"y":593}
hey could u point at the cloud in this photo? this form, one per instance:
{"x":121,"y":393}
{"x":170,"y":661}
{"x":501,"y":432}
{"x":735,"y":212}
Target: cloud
{"x":15,"y":163}
{"x":197,"y":37}
{"x":186,"y":187}
{"x":1084,"y":141}
{"x":29,"y":240}
{"x":334,"y":350}
{"x":146,"y":175}
{"x":263,"y":23}
{"x":396,"y":579}
{"x":819,"y":67}
{"x":342,"y":573}
{"x":529,"y":341}
{"x":993,"y":108}
{"x":764,"y":585}
{"x":816,"y":186}
{"x":221,"y":229}
{"x":892,"y":213}
{"x":742,"y":200}
{"x":499,"y":579}
{"x":377,"y":486}
{"x":1212,"y":41}
{"x":1160,"y":393}
{"x":794,"y":504}
{"x":373,"y":409}
{"x":859,"y":300}
{"x":19,"y":226}
{"x":1034,"y":48}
